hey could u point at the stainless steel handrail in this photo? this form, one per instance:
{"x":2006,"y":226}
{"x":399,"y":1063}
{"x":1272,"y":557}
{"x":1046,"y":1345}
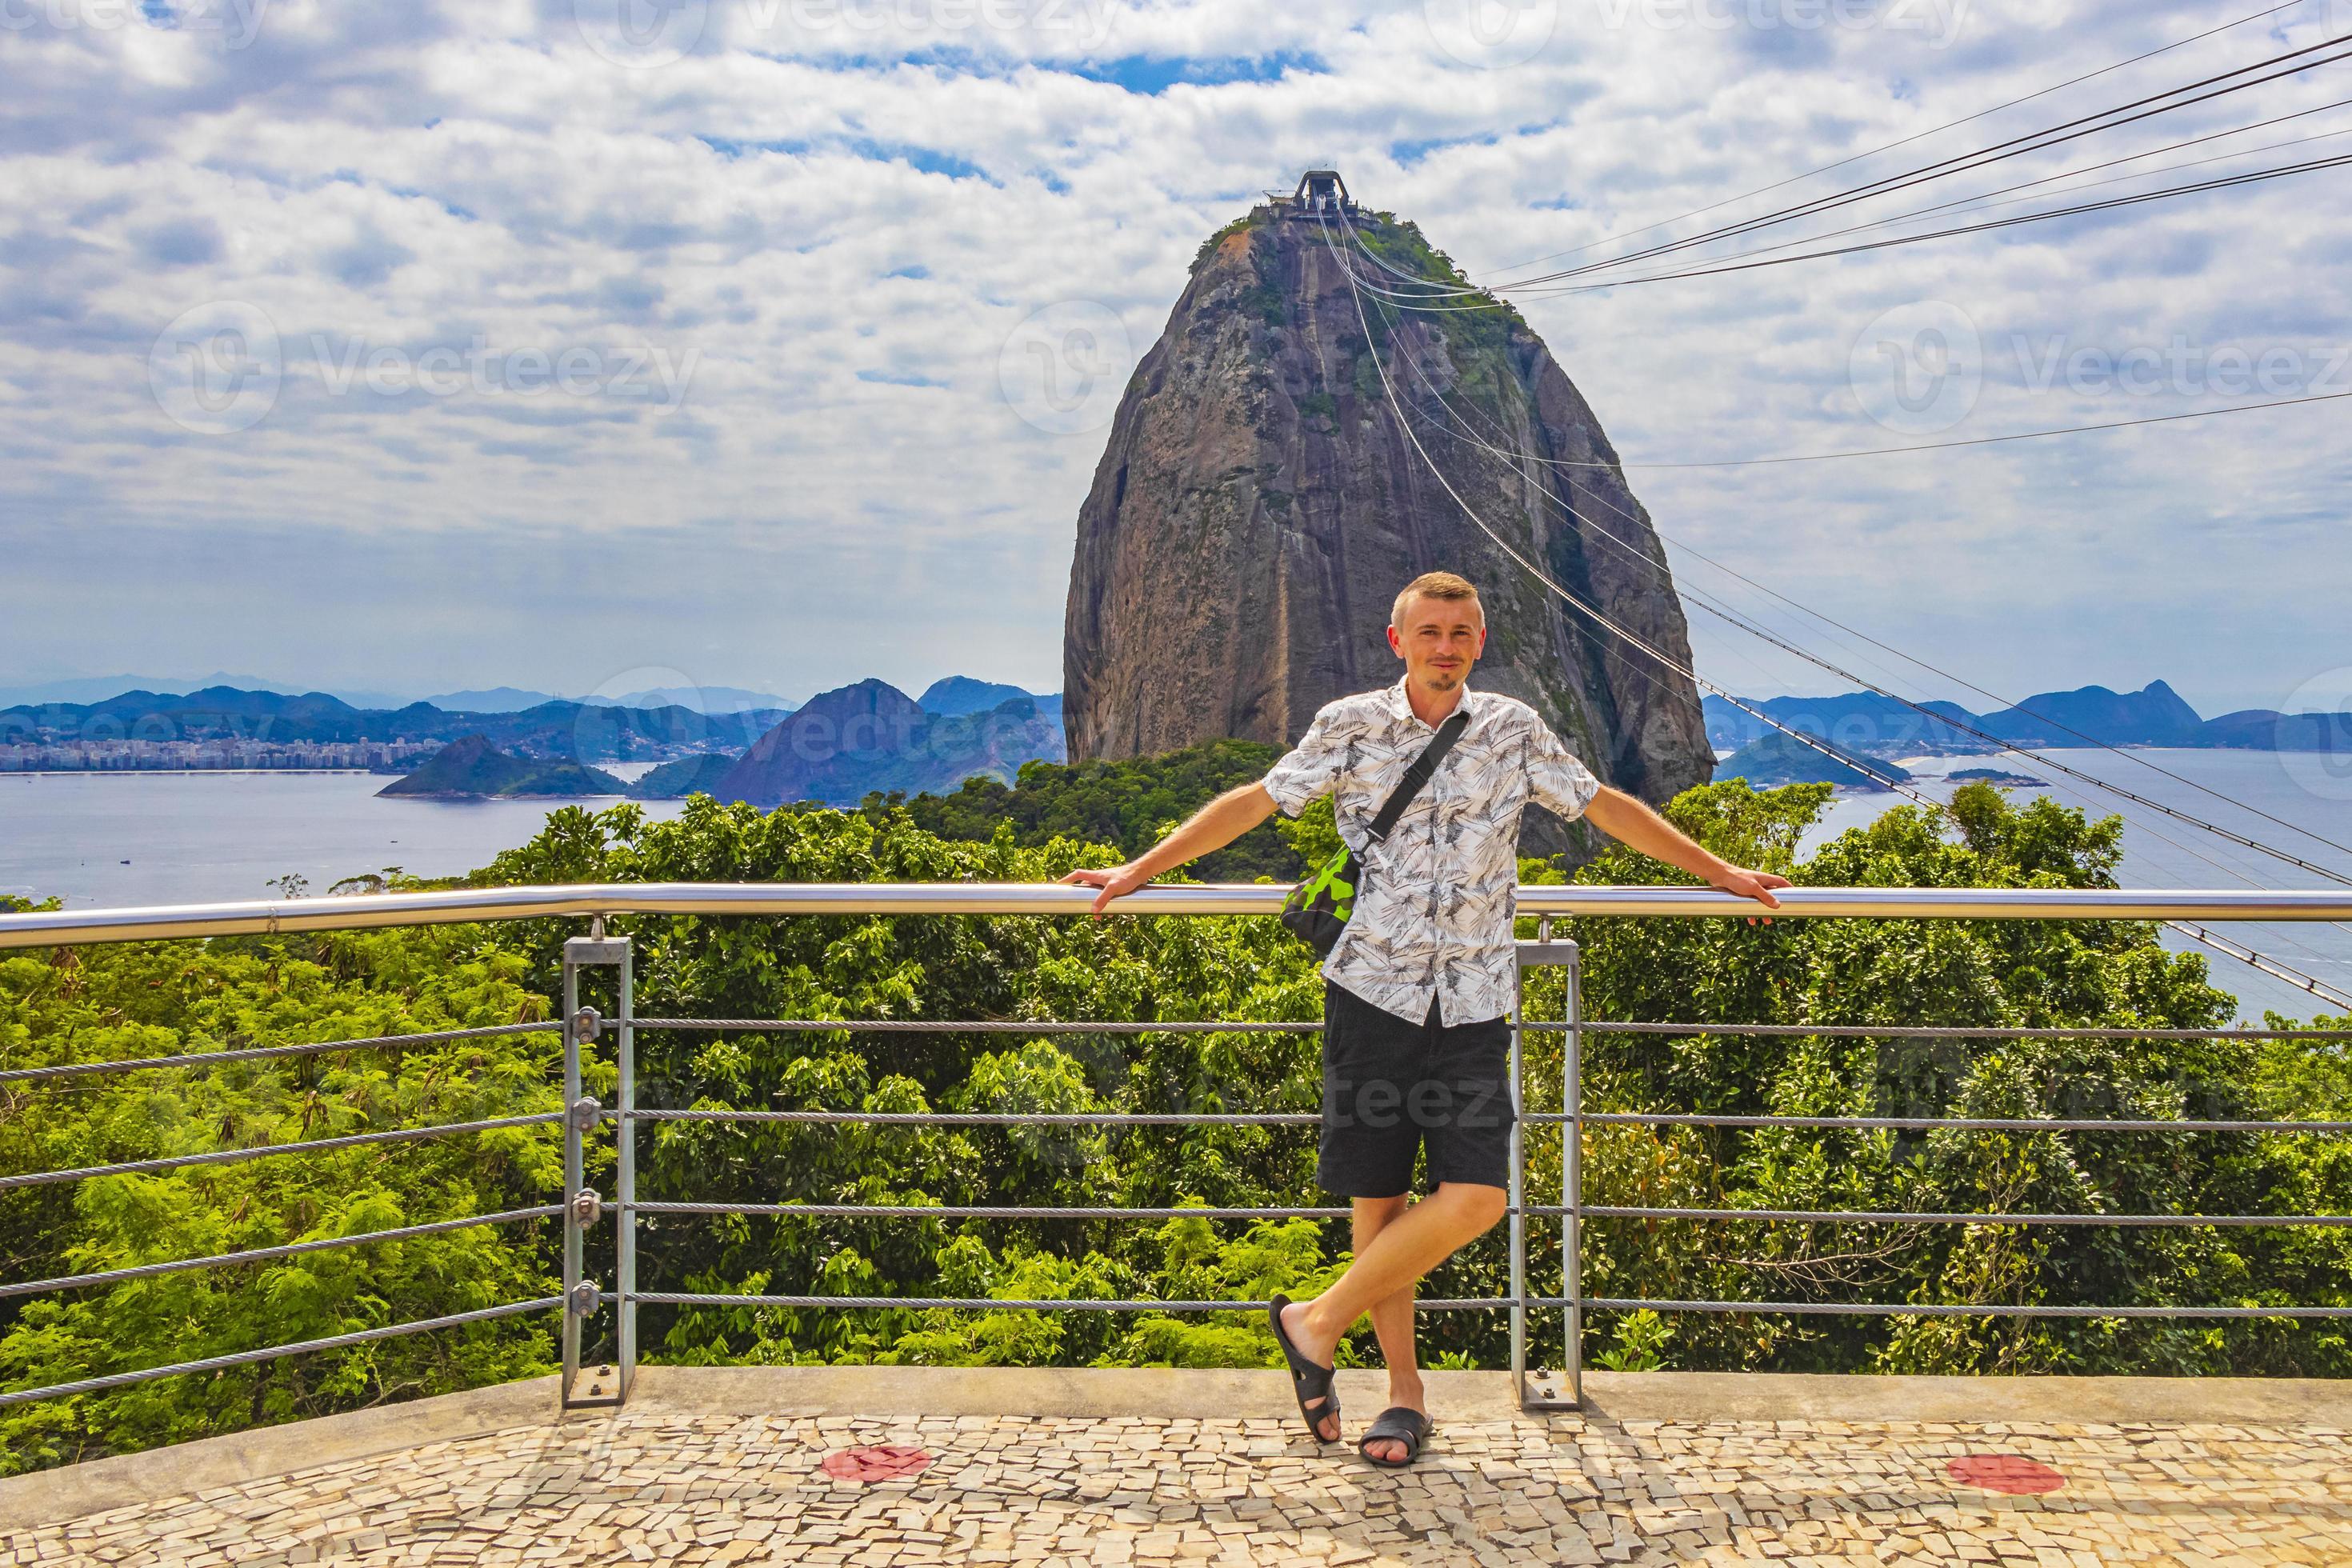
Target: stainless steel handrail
{"x":49,"y":927}
{"x":582,"y":1208}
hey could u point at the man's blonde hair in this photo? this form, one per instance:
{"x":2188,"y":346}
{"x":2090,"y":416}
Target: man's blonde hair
{"x":1435,"y":585}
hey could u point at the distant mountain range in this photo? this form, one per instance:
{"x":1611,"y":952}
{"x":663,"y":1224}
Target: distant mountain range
{"x":121,"y":731}
{"x":700,"y":698}
{"x":851,"y":742}
{"x":1868,"y":725}
{"x":560,"y":730}
{"x":838,"y":748}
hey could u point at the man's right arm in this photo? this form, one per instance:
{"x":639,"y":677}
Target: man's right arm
{"x":1212,"y":826}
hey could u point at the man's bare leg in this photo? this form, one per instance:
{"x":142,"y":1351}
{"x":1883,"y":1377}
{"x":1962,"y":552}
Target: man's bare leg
{"x":1404,"y":1249}
{"x":1391,"y":1318}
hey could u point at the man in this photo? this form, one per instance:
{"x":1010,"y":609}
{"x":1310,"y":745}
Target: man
{"x":1415,"y":1042}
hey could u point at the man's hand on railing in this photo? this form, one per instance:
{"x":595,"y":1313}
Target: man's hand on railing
{"x":1746,"y":884}
{"x":1115,"y":881}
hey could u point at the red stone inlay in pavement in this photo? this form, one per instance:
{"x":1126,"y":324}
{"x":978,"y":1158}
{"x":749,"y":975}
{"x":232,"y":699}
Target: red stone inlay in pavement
{"x":879,"y":1463}
{"x":2010,"y":1473}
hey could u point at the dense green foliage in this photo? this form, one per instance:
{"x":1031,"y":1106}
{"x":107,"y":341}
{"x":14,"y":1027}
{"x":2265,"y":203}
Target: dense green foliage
{"x":858,"y":972}
{"x":120,"y":1003}
{"x":1130,"y":803}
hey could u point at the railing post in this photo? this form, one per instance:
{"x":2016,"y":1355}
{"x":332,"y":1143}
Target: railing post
{"x":624,"y":1181}
{"x":582,"y":1208}
{"x":1571,"y":1177}
{"x":1520,"y":1184}
{"x":1545,"y":952}
{"x":574,"y":1162}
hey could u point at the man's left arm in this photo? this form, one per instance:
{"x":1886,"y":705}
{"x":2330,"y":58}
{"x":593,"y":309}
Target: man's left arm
{"x":1635,"y":826}
{"x":1557,"y":780}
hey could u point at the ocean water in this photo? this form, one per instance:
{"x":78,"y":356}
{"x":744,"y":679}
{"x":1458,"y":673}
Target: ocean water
{"x":129,"y":839}
{"x":2311,"y":791}
{"x":114,"y":840}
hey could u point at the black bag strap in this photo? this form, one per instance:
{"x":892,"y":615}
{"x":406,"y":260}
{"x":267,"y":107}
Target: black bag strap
{"x":1418,"y":774}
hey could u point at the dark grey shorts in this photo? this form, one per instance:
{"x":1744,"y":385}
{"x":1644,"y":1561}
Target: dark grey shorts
{"x":1392,"y":1088}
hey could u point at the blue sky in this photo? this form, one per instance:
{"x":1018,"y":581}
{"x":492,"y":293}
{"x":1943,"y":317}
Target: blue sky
{"x":603,"y":345}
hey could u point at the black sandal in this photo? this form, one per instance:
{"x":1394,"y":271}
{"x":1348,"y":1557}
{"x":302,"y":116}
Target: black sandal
{"x":1398,"y":1423}
{"x":1309,"y":1381}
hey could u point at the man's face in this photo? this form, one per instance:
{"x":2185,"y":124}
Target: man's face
{"x":1439,"y":640}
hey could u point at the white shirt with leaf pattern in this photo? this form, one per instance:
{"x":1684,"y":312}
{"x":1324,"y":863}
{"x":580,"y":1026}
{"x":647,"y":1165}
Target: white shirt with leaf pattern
{"x":1433,"y":911}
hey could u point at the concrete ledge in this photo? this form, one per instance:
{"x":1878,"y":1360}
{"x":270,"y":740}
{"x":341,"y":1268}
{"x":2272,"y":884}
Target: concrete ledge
{"x":49,"y":1497}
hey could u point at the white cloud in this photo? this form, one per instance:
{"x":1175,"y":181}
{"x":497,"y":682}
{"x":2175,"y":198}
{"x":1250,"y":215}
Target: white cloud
{"x":827,"y":232}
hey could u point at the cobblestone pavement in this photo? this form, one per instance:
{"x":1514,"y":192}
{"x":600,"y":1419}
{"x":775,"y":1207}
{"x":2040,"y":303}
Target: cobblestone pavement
{"x":673,"y":1487}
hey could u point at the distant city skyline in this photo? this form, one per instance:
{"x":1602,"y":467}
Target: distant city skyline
{"x":775,"y":348}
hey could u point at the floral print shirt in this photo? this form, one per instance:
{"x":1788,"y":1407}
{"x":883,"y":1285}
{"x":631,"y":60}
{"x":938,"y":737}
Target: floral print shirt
{"x":1435,"y":903}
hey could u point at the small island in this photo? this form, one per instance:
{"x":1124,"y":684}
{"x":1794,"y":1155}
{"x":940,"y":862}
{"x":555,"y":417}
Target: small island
{"x":1781,"y":759}
{"x":688,"y":775}
{"x":1995,"y":776}
{"x":470,"y":768}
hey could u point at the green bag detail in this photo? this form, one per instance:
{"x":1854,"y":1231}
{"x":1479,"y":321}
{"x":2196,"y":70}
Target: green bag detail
{"x":1318,"y":910}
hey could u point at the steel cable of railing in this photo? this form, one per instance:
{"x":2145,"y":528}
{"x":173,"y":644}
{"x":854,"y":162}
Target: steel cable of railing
{"x":264,"y":1254}
{"x":270,"y":1053}
{"x":582,"y":1208}
{"x":262,"y":1150}
{"x":1938,"y":1310}
{"x":1904,"y":142}
{"x":307,"y":1347}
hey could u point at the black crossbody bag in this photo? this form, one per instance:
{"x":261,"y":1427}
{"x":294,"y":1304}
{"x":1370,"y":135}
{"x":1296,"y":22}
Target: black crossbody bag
{"x":1317,"y":909}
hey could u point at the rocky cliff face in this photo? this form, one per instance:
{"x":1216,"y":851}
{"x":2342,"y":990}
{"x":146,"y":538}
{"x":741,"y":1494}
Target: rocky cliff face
{"x":1259,"y":505}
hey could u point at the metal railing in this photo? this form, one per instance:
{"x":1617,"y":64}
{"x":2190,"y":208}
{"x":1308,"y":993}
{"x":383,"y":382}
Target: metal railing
{"x":582,"y":1209}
